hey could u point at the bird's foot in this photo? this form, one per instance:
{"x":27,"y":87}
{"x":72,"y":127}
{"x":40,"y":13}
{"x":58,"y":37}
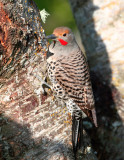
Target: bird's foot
{"x":44,"y":84}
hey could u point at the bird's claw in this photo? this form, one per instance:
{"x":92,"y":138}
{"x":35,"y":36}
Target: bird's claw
{"x":44,"y":84}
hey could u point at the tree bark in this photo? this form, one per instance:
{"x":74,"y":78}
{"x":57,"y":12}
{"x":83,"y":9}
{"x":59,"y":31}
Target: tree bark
{"x":101,"y":28}
{"x":32,"y":125}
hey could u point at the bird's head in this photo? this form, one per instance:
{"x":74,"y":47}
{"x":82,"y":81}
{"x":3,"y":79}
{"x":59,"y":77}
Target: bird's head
{"x":62,"y":34}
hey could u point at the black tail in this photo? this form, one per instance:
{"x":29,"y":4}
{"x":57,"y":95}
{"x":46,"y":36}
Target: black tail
{"x":77,"y":132}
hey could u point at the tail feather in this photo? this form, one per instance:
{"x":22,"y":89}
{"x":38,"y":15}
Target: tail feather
{"x":81,"y":132}
{"x":94,"y":117}
{"x":77,"y":133}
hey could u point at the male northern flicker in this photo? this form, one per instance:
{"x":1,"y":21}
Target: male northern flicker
{"x":69,"y":75}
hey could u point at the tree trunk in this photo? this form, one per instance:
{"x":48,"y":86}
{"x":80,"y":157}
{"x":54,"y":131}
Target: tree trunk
{"x":101,"y":26}
{"x":32,"y":125}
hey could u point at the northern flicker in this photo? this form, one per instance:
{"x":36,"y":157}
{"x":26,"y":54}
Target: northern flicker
{"x":69,"y":75}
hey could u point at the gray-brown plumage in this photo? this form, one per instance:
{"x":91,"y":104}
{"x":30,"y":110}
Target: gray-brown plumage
{"x":69,"y":75}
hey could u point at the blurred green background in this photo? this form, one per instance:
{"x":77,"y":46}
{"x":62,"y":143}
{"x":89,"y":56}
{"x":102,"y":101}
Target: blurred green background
{"x":60,"y":14}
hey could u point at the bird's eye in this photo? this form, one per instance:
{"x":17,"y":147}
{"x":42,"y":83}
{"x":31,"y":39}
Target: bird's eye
{"x":64,"y":34}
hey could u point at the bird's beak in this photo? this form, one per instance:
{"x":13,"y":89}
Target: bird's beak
{"x":52,"y":36}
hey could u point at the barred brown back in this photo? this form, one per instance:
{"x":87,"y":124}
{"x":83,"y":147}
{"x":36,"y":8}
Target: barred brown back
{"x":72,"y":74}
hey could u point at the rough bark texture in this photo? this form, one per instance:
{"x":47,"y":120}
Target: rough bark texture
{"x":32,"y":125}
{"x":101,"y":25}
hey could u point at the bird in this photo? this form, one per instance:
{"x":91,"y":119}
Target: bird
{"x":69,"y":74}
